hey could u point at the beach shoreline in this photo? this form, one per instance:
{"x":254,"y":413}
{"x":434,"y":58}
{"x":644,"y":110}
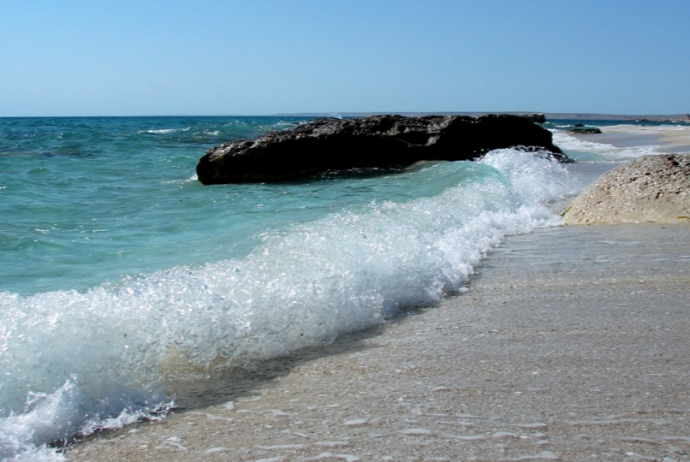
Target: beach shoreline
{"x":674,"y":139}
{"x":569,"y":344}
{"x":544,"y":357}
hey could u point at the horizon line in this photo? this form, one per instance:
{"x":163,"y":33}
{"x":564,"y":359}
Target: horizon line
{"x":552,"y":115}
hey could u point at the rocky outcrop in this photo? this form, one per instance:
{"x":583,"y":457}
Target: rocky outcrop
{"x":585,"y":130}
{"x":649,"y":189}
{"x":387,"y":141}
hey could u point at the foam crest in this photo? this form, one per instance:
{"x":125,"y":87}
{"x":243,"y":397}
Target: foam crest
{"x":600,"y":150}
{"x":629,"y":128}
{"x":65,"y":413}
{"x":536,"y":180}
{"x":74,"y":362}
{"x":165,"y":131}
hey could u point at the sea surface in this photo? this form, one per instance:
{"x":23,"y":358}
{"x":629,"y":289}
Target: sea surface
{"x":121,"y":276}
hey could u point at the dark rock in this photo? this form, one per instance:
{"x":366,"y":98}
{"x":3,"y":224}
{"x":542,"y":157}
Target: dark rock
{"x":537,"y":117}
{"x":388,"y":141}
{"x":584,"y":131}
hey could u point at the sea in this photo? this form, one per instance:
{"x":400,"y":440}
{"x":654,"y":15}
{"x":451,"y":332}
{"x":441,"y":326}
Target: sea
{"x":122,"y":277}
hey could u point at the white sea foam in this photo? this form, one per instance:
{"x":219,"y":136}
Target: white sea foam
{"x":643,"y":129}
{"x":604,"y":151}
{"x":191,"y":179}
{"x":73,"y":362}
{"x":165,"y":131}
{"x":283,"y":124}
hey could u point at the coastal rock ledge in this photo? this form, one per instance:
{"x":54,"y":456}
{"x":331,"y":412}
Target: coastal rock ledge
{"x":649,"y":189}
{"x":387,"y":141}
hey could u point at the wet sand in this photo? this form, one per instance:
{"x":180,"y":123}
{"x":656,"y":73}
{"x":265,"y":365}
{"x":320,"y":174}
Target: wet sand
{"x":669,"y":139}
{"x":672,"y":139}
{"x":570,"y":344}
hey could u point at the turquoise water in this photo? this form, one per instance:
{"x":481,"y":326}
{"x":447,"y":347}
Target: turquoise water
{"x":88,"y":200}
{"x":120,"y":274}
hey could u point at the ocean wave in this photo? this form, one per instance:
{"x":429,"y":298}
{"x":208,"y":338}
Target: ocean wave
{"x":73,"y":362}
{"x":165,"y":131}
{"x":601,"y":151}
{"x":191,"y":179}
{"x":628,"y":128}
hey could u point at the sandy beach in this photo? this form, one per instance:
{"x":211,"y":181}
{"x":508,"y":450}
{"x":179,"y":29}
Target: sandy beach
{"x":570,"y":344}
{"x":321,"y":231}
{"x":670,"y":139}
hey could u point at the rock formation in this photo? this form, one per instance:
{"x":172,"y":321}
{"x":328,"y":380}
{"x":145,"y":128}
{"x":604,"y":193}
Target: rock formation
{"x":387,"y":141}
{"x":649,"y":189}
{"x":584,"y":130}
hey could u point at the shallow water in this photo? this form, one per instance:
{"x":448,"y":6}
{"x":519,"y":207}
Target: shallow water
{"x":121,"y":275}
{"x":568,"y":337}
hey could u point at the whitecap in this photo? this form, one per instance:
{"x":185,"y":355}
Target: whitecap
{"x":103,"y":357}
{"x":603,"y":151}
{"x":165,"y":131}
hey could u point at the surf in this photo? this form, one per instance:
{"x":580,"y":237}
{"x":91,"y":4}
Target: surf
{"x":78,"y":360}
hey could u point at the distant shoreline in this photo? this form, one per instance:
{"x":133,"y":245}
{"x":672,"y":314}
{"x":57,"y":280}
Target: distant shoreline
{"x":548,"y":115}
{"x":624,"y":136}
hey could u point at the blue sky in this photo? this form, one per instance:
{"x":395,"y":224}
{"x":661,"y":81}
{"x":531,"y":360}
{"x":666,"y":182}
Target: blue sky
{"x":226,"y":57}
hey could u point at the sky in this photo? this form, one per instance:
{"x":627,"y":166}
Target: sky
{"x":261,"y":57}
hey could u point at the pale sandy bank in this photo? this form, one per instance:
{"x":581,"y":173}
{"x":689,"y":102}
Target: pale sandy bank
{"x":571,"y":344}
{"x":654,"y":188}
{"x":670,"y":138}
{"x":664,"y":139}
